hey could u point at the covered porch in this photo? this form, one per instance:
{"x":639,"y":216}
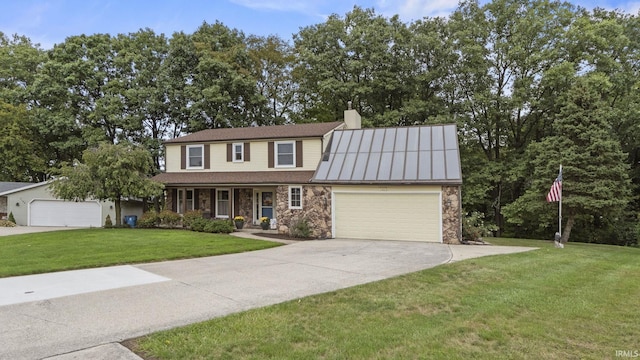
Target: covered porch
{"x":224,"y":202}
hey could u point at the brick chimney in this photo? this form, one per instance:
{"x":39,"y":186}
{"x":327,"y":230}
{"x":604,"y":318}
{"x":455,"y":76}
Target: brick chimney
{"x":351,"y":118}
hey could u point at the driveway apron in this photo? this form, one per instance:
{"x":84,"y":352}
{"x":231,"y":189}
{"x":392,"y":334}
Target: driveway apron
{"x":201,"y":289}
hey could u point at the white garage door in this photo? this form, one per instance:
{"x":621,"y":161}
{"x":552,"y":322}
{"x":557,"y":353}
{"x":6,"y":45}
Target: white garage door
{"x":65,"y":213}
{"x":388,"y":216}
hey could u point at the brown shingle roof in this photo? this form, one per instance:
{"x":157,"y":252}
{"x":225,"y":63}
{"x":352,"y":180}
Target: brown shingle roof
{"x":234,"y":178}
{"x":258,"y":132}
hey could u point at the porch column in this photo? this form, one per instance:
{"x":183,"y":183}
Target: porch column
{"x":183,"y":206}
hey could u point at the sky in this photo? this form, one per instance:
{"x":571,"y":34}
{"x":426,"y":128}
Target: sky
{"x":48,"y":22}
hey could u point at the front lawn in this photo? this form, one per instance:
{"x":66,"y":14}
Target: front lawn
{"x":88,"y":248}
{"x":580,"y":302}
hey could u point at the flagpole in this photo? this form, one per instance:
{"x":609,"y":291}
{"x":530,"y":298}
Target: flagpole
{"x":560,"y":208}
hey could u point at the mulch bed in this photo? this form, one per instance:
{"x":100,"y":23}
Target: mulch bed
{"x":282,"y":237}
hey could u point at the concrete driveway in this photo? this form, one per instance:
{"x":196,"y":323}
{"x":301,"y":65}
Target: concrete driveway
{"x":91,"y":324}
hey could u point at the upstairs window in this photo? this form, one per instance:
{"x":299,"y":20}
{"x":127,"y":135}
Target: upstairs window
{"x":238,"y":152}
{"x":285,"y":154}
{"x":195,"y":157}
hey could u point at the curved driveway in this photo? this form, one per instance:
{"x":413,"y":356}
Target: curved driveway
{"x":204,"y":288}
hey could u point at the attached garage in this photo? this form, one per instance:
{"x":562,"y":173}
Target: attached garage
{"x":394,"y":183}
{"x":410,"y":216}
{"x":65,"y":213}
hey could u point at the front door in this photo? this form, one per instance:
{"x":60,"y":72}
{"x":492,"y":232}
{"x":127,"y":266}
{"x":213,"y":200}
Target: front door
{"x":264,"y":205}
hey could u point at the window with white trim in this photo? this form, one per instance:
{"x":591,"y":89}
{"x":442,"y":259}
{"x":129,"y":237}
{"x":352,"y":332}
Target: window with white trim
{"x":295,"y":197}
{"x":285,"y":153}
{"x":182,"y":202}
{"x":222,"y":204}
{"x":195,"y":156}
{"x":238,"y":152}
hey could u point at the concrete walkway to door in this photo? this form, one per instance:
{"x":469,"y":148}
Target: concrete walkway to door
{"x":91,"y":324}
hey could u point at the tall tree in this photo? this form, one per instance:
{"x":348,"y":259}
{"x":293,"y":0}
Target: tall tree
{"x":505,"y":50}
{"x":20,"y":59}
{"x":79,"y":88}
{"x":272,"y":68}
{"x":19,"y":156}
{"x":361,"y":57}
{"x":146,"y":83}
{"x":225,"y":91}
{"x":595,"y":175}
{"x":108,"y":172}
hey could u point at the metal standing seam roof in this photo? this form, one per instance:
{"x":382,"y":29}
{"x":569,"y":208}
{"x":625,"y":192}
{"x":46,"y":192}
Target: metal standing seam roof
{"x":403,"y":155}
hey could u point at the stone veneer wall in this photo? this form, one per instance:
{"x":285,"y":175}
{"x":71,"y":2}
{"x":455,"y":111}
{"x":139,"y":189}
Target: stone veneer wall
{"x":204,"y":201}
{"x":451,"y":215}
{"x":245,"y":205}
{"x":316,"y":208}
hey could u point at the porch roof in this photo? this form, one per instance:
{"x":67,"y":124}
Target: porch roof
{"x":235,"y":178}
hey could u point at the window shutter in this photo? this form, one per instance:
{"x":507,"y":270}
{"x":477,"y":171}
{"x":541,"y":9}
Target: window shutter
{"x":229,"y":152}
{"x":247,"y":152}
{"x":183,"y":157}
{"x":270,"y":153}
{"x":196,"y":203}
{"x":299,"y":153}
{"x":207,"y":157}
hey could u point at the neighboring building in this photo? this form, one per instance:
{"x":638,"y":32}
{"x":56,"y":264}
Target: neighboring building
{"x":6,"y":187}
{"x":34,"y":205}
{"x":385,"y":183}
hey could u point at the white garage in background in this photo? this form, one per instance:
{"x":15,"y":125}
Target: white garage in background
{"x":65,"y":213}
{"x":390,"y":214}
{"x":34,"y":204}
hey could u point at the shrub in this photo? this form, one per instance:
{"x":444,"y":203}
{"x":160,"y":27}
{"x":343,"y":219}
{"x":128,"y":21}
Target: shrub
{"x":169,"y":218}
{"x":107,"y":222}
{"x":7,"y":223}
{"x":11,"y":218}
{"x":199,"y":224}
{"x":474,"y":228}
{"x":301,"y":229}
{"x":219,"y":226}
{"x":189,"y":217}
{"x":150,"y":219}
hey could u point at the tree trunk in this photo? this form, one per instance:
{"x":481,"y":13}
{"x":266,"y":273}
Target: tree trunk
{"x":118,"y":212}
{"x":567,"y":229}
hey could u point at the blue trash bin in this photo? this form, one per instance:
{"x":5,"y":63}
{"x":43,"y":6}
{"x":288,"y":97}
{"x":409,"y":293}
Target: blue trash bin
{"x":131,"y":220}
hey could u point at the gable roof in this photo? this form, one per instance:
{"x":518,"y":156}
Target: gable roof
{"x":11,"y":187}
{"x":259,"y":132}
{"x":404,"y":155}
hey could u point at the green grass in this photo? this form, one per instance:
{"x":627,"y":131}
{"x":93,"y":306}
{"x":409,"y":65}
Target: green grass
{"x":87,"y":248}
{"x":580,"y":302}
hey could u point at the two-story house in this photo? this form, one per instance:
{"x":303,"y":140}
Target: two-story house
{"x":384,"y":183}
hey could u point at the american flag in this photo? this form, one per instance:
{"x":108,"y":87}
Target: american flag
{"x":555,"y":194}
